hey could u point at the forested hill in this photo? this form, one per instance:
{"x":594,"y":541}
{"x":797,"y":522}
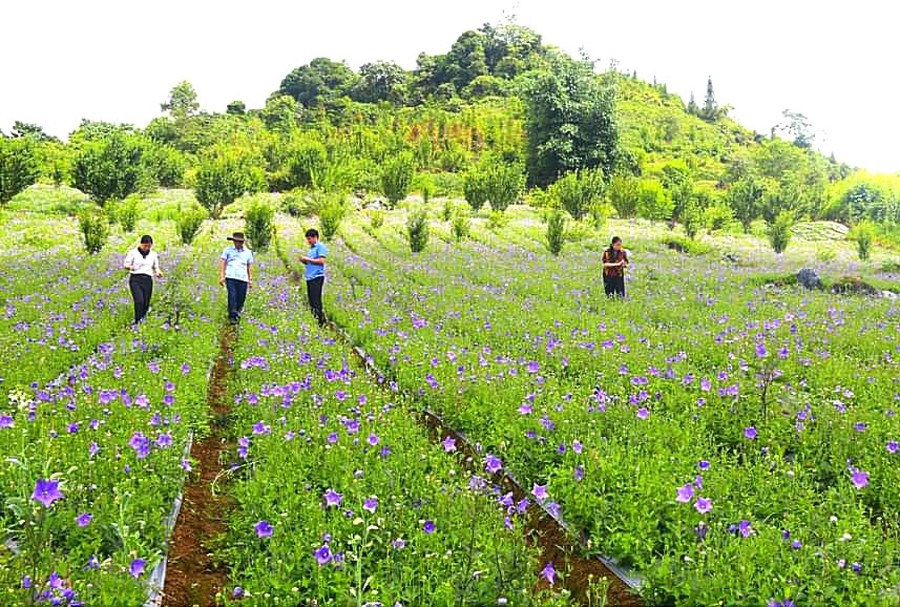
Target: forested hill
{"x":499,"y":97}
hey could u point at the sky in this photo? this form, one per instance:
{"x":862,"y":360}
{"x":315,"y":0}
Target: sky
{"x":64,"y":60}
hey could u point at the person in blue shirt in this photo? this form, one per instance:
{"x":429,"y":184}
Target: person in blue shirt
{"x":315,"y":273}
{"x":236,"y":273}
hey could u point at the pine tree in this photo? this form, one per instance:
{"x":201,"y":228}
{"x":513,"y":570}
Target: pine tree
{"x":710,"y":107}
{"x":692,"y":107}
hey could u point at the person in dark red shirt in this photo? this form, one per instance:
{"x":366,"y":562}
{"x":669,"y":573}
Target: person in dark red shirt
{"x":615,"y":260}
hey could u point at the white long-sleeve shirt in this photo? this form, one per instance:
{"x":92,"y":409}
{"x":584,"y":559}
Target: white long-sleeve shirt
{"x":138,"y":264}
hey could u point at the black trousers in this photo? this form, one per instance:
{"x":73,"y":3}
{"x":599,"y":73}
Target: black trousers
{"x":314,"y":293}
{"x":141,"y":287}
{"x":237,"y":295}
{"x":614,"y":286}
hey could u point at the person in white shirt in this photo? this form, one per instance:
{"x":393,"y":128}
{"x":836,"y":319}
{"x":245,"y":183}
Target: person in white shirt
{"x":142,"y":265}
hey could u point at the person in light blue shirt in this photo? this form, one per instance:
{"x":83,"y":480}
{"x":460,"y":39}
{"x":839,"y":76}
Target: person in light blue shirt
{"x":315,"y":273}
{"x":236,"y":273}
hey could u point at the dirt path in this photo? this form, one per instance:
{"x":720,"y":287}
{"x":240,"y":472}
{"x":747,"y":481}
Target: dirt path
{"x":193,"y":576}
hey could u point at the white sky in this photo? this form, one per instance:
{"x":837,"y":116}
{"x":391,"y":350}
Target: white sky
{"x":63,"y":60}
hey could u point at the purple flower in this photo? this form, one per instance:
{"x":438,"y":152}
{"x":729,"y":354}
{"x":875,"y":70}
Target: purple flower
{"x":332,"y":498}
{"x":525,"y":409}
{"x":371,"y":504}
{"x":6,"y":421}
{"x":85,"y":519}
{"x":492,"y":464}
{"x":703,"y":505}
{"x":643,"y":413}
{"x":796,"y":544}
{"x":46,"y":492}
{"x":549,"y":573}
{"x":761,"y":351}
{"x":540,"y":493}
{"x":137,"y":568}
{"x":685,"y":494}
{"x":261,"y":428}
{"x":238,"y":592}
{"x":323,"y":555}
{"x":745,"y":529}
{"x":859,"y":478}
{"x":554,"y":509}
{"x":399,"y":544}
{"x":449,"y":444}
{"x":704,"y":464}
{"x":577,"y":447}
{"x":264,"y":529}
{"x":893,"y":447}
{"x":429,"y":527}
{"x":750,"y":433}
{"x":373,"y":439}
{"x":579,"y":473}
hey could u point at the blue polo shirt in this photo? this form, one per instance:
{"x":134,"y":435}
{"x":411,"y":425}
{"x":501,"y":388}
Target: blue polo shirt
{"x":237,"y":262}
{"x":317,"y":251}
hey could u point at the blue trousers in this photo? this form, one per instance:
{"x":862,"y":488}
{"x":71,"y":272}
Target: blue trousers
{"x":237,"y":294}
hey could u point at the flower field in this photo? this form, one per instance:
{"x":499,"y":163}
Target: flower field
{"x":726,"y":441}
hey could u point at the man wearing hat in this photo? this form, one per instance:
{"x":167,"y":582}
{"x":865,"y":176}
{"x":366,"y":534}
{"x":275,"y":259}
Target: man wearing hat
{"x":236,"y":274}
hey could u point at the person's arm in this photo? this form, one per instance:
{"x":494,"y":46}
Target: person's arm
{"x":249,"y":274}
{"x":319,"y":261}
{"x":222,"y":272}
{"x":128,"y":264}
{"x":610,"y":264}
{"x":156,"y":267}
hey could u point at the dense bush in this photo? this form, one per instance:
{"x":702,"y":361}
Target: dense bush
{"x":556,"y":231}
{"x":376,"y":218}
{"x":461,"y":224}
{"x":259,"y":227}
{"x":397,"y":176}
{"x":113,"y":167}
{"x":718,"y":216}
{"x":654,"y":201}
{"x":417,"y":230}
{"x":579,"y":192}
{"x":780,"y":231}
{"x":331,"y":214}
{"x":94,"y":228}
{"x":188,"y":224}
{"x":863,"y":234}
{"x":127,"y":213}
{"x":494,"y":181}
{"x":625,"y":195}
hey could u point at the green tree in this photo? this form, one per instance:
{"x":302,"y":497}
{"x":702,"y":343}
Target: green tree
{"x":113,"y":167}
{"x":780,"y":231}
{"x":225,"y":173}
{"x":654,"y":202}
{"x":570,"y":122}
{"x":259,"y":226}
{"x":710,"y":111}
{"x":417,"y":230}
{"x":19,"y":166}
{"x":692,"y":108}
{"x":863,"y":234}
{"x":745,"y":198}
{"x":182,"y":101}
{"x":500,"y":183}
{"x":33,"y":131}
{"x":579,"y":192}
{"x":236,"y":108}
{"x":320,"y":81}
{"x":281,"y":114}
{"x":381,"y":81}
{"x":625,"y":195}
{"x":798,"y":129}
{"x":94,"y":228}
{"x":556,"y":232}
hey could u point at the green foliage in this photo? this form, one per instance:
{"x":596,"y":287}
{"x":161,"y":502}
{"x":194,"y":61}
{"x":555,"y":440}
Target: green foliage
{"x":188,"y":223}
{"x":307,"y":165}
{"x":780,"y":231}
{"x":18,"y":166}
{"x":497,"y":221}
{"x":417,"y":230}
{"x":447,"y":210}
{"x":691,"y":219}
{"x":259,"y":227}
{"x":224,"y":174}
{"x":571,"y":122}
{"x":397,"y":176}
{"x":745,"y":198}
{"x":863,"y":234}
{"x":321,"y":81}
{"x":686,"y":245}
{"x":556,"y":232}
{"x":94,"y":228}
{"x":182,"y":101}
{"x":625,"y":195}
{"x":331,"y":213}
{"x":381,"y":81}
{"x":376,"y":218}
{"x":461,"y":224}
{"x":654,"y":201}
{"x":493,"y":181}
{"x":579,"y":192}
{"x":127,"y":212}
{"x":113,"y":167}
{"x":166,"y":165}
{"x":718,"y":216}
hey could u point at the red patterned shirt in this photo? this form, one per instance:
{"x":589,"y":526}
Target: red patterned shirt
{"x":614,"y":256}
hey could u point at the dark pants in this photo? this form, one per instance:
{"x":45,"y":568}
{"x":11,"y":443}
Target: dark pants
{"x":141,"y":287}
{"x":237,"y":295}
{"x":314,"y":292}
{"x":614,"y":286}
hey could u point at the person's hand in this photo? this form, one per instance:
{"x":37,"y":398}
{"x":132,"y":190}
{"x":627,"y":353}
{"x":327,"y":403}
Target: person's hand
{"x":159,"y":274}
{"x":221,"y":281}
{"x":304,"y":259}
{"x":249,"y":283}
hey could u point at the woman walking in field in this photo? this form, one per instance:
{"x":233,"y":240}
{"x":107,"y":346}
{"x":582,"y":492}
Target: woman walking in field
{"x":142,"y":265}
{"x":236,"y":273}
{"x":615,"y":260}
